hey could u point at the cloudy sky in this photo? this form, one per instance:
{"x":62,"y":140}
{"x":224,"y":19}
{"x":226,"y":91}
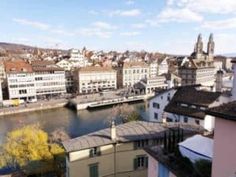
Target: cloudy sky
{"x":169,"y":26}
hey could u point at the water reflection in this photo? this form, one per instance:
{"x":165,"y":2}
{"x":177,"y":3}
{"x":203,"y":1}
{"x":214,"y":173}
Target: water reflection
{"x":76,"y":124}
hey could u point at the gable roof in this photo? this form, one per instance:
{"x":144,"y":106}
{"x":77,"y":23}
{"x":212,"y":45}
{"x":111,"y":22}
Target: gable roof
{"x":225,"y":111}
{"x":189,"y":95}
{"x":128,"y":132}
{"x":17,"y":66}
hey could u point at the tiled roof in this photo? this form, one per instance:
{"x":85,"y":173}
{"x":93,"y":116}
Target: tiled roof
{"x":135,"y":64}
{"x":44,"y":65}
{"x":191,"y":96}
{"x":128,"y":132}
{"x":96,"y":69}
{"x":17,"y":66}
{"x":225,"y":111}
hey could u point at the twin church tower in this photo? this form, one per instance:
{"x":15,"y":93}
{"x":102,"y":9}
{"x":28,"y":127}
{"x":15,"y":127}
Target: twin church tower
{"x":198,"y":49}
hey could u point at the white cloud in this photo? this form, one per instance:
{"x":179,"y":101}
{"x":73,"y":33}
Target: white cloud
{"x":126,"y":13}
{"x":139,"y":25}
{"x":206,"y":6}
{"x":62,"y":32}
{"x":129,"y":2}
{"x":225,"y":43}
{"x":104,"y":25}
{"x":35,"y":24}
{"x":43,"y":26}
{"x":179,"y":15}
{"x":220,"y":24}
{"x":90,"y":32}
{"x":131,"y":33}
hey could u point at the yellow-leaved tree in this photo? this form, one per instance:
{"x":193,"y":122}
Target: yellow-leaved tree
{"x":29,"y":149}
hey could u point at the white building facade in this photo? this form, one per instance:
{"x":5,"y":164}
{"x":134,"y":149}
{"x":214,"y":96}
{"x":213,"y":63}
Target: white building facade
{"x":133,"y":72}
{"x":77,"y":58}
{"x":95,"y":78}
{"x":20,"y":80}
{"x":158,"y":103}
{"x":49,"y":79}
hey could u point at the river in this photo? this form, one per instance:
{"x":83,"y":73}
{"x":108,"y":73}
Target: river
{"x":74,"y":123}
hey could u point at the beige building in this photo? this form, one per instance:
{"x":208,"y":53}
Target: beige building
{"x":200,"y":67}
{"x":49,"y":79}
{"x":95,"y":79}
{"x":116,"y":151}
{"x":2,"y":72}
{"x":20,"y":80}
{"x":133,"y":72}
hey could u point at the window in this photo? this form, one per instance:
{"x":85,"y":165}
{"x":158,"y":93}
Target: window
{"x":156,"y":105}
{"x":94,"y":152}
{"x":93,"y":170}
{"x":140,"y":162}
{"x":197,"y":122}
{"x":22,"y":91}
{"x":140,"y":144}
{"x":168,"y":98}
{"x":155,"y":115}
{"x":162,"y":170}
{"x":185,"y":119}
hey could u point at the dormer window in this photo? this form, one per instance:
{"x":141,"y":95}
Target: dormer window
{"x":95,"y":151}
{"x":23,"y":69}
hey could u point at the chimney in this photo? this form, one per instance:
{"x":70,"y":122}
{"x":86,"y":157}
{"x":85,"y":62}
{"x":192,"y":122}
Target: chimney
{"x":234,"y":81}
{"x":113,"y":131}
{"x":219,"y":80}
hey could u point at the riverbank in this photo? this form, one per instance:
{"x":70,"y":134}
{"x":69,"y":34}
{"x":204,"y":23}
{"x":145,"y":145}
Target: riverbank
{"x":41,"y":105}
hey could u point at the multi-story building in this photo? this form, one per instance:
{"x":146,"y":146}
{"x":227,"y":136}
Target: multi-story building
{"x":65,"y":64}
{"x":162,"y":66}
{"x":69,"y":81}
{"x":77,"y":58}
{"x":1,"y":97}
{"x":116,"y":151}
{"x":158,"y":103}
{"x":224,"y":161}
{"x":153,"y":69}
{"x":20,"y":80}
{"x":49,"y":79}
{"x":95,"y":78}
{"x":133,"y":72}
{"x":200,"y":67}
{"x":153,"y":84}
{"x":189,"y":104}
{"x":2,"y":72}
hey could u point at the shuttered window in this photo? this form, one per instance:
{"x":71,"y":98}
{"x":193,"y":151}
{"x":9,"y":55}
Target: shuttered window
{"x":93,"y":170}
{"x":140,"y":162}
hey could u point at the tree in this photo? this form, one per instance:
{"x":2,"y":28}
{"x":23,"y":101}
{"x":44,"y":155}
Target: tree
{"x":126,"y":112}
{"x":28,"y":148}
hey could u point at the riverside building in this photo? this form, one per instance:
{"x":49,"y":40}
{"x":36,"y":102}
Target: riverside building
{"x":95,"y":78}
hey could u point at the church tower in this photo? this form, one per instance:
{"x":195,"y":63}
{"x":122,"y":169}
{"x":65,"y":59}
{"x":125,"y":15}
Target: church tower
{"x":199,"y":47}
{"x":210,"y":47}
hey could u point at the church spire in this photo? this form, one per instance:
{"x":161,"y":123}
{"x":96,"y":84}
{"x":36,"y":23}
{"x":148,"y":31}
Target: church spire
{"x":199,"y":47}
{"x":210,"y":46}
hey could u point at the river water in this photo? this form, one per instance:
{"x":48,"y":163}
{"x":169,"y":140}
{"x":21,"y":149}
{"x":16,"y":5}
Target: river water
{"x":74,"y":123}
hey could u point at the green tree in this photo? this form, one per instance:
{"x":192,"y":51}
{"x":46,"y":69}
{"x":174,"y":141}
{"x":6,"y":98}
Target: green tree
{"x":29,"y":149}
